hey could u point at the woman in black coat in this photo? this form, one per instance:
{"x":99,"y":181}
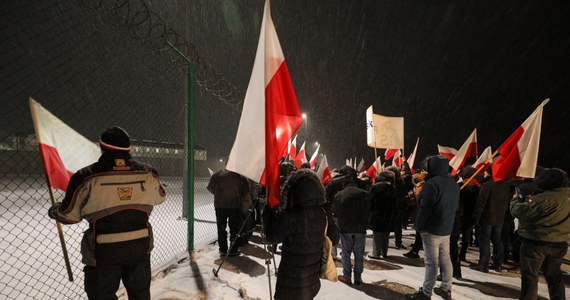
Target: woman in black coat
{"x":383,"y":213}
{"x":299,"y":223}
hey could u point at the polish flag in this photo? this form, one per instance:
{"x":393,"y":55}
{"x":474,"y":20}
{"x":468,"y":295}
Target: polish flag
{"x":483,"y":160}
{"x":313,"y":160}
{"x":519,"y":153}
{"x":349,"y":162}
{"x":270,"y":94}
{"x":63,"y":150}
{"x":397,"y":159}
{"x":324,"y":172}
{"x":293,"y":149}
{"x":467,"y":150}
{"x":360,"y":167}
{"x":446,"y":151}
{"x":374,"y":169}
{"x":301,"y":157}
{"x":389,"y":153}
{"x":412,"y":157}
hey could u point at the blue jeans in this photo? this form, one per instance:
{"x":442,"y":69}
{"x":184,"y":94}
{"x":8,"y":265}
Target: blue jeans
{"x":487,"y":234}
{"x":352,"y":243}
{"x":436,"y":249}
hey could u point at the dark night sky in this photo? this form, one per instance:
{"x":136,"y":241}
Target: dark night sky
{"x":446,"y":66}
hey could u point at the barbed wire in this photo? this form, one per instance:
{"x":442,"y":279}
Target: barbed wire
{"x":151,"y":30}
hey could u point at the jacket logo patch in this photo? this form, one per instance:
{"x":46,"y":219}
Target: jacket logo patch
{"x":125,"y":193}
{"x":120,"y":162}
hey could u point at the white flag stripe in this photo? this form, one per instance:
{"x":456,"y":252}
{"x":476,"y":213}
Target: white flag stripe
{"x":529,"y":143}
{"x":75,"y":150}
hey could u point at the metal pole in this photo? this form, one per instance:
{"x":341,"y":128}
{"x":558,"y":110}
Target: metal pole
{"x":190,"y":152}
{"x":191,"y":86}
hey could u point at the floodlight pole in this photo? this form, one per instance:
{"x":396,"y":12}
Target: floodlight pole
{"x":190,"y":152}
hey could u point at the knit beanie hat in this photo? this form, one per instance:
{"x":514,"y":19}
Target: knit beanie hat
{"x":116,"y":139}
{"x":551,"y":179}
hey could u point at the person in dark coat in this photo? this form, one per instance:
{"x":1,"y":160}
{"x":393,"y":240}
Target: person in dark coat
{"x":352,"y":208}
{"x":383,"y":209}
{"x":402,"y":205}
{"x":467,"y":199}
{"x":230,"y":191}
{"x":436,"y":214}
{"x":488,"y":215}
{"x":116,"y":196}
{"x":338,"y":182}
{"x":299,"y":223}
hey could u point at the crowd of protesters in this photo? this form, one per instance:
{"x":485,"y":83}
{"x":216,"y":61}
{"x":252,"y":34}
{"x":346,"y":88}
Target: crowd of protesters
{"x":449,"y":213}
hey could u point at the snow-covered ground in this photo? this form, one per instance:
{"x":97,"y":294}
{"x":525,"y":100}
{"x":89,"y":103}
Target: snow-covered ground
{"x":245,"y":277}
{"x":31,"y":264}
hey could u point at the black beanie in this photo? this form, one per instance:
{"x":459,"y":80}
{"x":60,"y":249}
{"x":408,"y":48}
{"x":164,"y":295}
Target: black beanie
{"x":551,"y":179}
{"x":116,"y":139}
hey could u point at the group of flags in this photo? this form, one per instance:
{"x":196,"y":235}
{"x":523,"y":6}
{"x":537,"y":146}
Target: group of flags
{"x":270,"y":103}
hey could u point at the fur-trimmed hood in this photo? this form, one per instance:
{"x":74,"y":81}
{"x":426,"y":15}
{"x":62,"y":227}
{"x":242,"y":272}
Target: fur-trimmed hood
{"x":302,"y":188}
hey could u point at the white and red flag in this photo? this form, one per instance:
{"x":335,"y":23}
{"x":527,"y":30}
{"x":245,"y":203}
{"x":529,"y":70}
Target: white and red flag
{"x":519,"y":153}
{"x":301,"y":157}
{"x":412,"y":157}
{"x":270,"y":103}
{"x":485,"y":155}
{"x":397,"y":159}
{"x":468,"y":150}
{"x":389,"y":153}
{"x":324,"y":172}
{"x":63,"y":150}
{"x":360,"y":167}
{"x":446,"y":151}
{"x":374,"y":169}
{"x":293,"y":148}
{"x":313,"y":160}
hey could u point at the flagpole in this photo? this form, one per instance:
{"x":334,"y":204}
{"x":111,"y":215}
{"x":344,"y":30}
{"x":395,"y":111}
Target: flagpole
{"x":479,"y":169}
{"x":61,"y":239}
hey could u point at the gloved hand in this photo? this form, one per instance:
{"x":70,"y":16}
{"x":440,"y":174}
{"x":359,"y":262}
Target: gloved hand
{"x":52,"y":212}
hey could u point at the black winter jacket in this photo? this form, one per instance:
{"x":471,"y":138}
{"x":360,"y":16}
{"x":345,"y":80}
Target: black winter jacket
{"x":230,"y":189}
{"x":492,"y":203}
{"x":352,"y":208}
{"x":383,"y":207}
{"x":299,"y":223}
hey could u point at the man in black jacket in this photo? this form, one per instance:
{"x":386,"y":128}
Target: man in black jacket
{"x":352,"y":208}
{"x":230,"y":191}
{"x":488,"y":215}
{"x":116,"y":196}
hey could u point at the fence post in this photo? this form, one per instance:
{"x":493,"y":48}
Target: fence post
{"x":190,"y":152}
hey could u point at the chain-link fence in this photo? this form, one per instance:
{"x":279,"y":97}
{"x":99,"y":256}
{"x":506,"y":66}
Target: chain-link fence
{"x":94,"y":64}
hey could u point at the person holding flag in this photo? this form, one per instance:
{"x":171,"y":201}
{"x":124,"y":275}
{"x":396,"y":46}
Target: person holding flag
{"x":115,"y":195}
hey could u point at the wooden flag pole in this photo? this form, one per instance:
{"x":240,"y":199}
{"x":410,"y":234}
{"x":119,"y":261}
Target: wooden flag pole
{"x":61,"y":239}
{"x":479,"y":169}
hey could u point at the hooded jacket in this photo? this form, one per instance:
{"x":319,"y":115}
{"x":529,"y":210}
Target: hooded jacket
{"x":299,"y":223}
{"x":439,"y":199}
{"x":545,"y":217}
